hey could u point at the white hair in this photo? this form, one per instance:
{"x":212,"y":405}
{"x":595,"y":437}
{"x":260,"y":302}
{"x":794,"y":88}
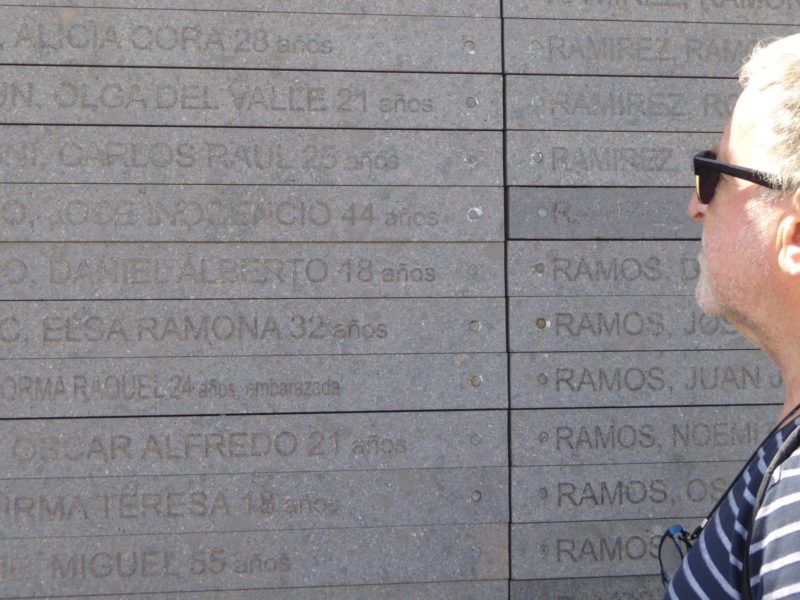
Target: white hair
{"x":773,"y":73}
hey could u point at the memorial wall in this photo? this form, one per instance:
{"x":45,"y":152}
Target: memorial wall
{"x":350,"y":299}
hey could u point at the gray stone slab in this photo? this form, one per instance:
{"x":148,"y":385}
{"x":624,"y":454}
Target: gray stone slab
{"x":151,"y":328}
{"x":57,"y":154}
{"x":714,"y":11}
{"x":464,"y":590}
{"x":83,"y":271}
{"x":571,"y":158}
{"x":605,"y":588}
{"x":580,"y":47}
{"x":118,"y":96}
{"x":613,"y":268}
{"x":619,"y":103}
{"x":462,"y":8}
{"x":616,"y":379}
{"x":594,"y":549}
{"x":586,"y":213}
{"x":85,"y":448}
{"x":639,"y":435}
{"x":586,"y":493}
{"x":254,"y":213}
{"x":221,"y":39}
{"x":236,"y":561}
{"x":36,"y":388}
{"x":616,"y":323}
{"x":33,"y":508}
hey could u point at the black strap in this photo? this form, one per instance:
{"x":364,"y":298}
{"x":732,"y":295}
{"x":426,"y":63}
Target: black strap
{"x":790,"y":444}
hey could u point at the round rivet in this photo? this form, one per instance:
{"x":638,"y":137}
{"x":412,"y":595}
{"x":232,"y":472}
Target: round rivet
{"x":476,"y":496}
{"x":475,"y":439}
{"x":543,"y":437}
{"x":543,"y":493}
{"x":541,"y":323}
{"x":476,"y":380}
{"x":542,"y":212}
{"x":471,"y":102}
{"x":469,"y":47}
{"x":475,"y":326}
{"x":537,"y":157}
{"x":542,"y":379}
{"x":474,"y":213}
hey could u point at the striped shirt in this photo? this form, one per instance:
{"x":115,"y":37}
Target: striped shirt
{"x":713,"y":568}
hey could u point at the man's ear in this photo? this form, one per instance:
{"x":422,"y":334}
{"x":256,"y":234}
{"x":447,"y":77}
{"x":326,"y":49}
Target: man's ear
{"x":789,"y":239}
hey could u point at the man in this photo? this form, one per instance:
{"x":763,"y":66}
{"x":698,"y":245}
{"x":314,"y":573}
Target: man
{"x":748,"y":200}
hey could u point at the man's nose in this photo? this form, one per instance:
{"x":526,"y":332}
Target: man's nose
{"x":697,"y":211}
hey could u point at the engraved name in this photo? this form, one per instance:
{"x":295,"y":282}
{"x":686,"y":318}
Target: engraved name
{"x":149,"y":388}
{"x":650,"y":493}
{"x":229,"y":447}
{"x":206,"y":329}
{"x":188,"y":214}
{"x":613,"y":160}
{"x":138,"y":503}
{"x":607,"y":550}
{"x":645,"y":49}
{"x":90,"y":35}
{"x":631,"y":436}
{"x":655,"y":378}
{"x":144,"y":95}
{"x":162,"y":563}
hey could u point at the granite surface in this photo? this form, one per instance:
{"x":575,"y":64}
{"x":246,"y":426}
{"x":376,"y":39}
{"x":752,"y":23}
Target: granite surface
{"x":259,"y":328}
{"x":605,"y":588}
{"x":565,"y":494}
{"x":160,"y":446}
{"x":782,"y":12}
{"x":462,"y":8}
{"x":251,"y":213}
{"x":59,"y":154}
{"x":604,"y":213}
{"x":617,"y":379}
{"x":152,"y":328}
{"x":584,"y":47}
{"x":594,"y":549}
{"x":607,"y":268}
{"x":556,"y":102}
{"x":94,"y":271}
{"x":638,"y":435}
{"x":112,"y":387}
{"x":617,"y":323}
{"x":243,"y":560}
{"x":112,"y":506}
{"x":599,"y":159}
{"x":230,"y":39}
{"x":466,"y":590}
{"x":249,"y":98}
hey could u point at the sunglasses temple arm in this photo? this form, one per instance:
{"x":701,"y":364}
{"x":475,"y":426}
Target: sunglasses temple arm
{"x":699,"y":529}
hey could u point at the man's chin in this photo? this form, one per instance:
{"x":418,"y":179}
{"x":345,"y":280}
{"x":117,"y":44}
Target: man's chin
{"x":706,"y":299}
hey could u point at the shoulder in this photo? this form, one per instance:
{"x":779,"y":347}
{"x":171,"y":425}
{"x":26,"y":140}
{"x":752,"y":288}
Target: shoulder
{"x":775,"y":539}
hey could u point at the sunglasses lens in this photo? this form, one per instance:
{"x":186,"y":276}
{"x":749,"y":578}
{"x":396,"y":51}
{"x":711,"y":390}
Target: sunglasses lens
{"x":671,"y":558}
{"x":707,"y":185}
{"x":674,"y":546}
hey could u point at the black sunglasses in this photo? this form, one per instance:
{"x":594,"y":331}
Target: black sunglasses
{"x":707,"y":170}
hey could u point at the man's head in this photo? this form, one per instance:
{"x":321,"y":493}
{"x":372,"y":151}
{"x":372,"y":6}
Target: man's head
{"x":750,"y":262}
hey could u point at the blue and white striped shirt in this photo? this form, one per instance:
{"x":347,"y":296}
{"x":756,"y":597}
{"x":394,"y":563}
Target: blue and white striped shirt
{"x":713,"y":568}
